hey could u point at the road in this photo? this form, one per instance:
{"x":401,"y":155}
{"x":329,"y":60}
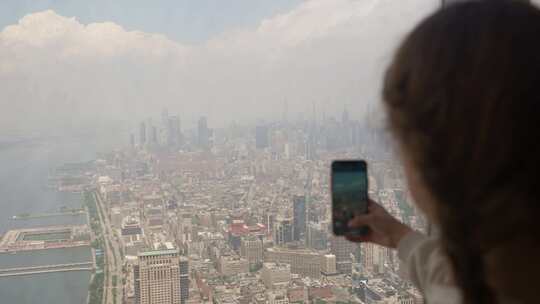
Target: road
{"x":114,"y":259}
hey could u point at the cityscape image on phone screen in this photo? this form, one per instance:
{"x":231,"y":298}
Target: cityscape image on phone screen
{"x":349,"y":193}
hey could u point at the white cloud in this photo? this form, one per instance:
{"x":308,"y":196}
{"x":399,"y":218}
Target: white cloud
{"x":328,"y":52}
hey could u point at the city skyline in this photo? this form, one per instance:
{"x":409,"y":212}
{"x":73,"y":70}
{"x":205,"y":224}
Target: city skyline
{"x":183,"y":156}
{"x":95,"y":72}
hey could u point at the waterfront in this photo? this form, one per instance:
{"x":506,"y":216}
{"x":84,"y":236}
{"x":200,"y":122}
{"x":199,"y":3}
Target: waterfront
{"x":24,"y":188}
{"x":61,"y":287}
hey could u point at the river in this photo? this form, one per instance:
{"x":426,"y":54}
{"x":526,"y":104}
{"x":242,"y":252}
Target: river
{"x":24,"y":168}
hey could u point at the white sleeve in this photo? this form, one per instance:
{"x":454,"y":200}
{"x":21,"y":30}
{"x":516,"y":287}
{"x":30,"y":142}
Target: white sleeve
{"x":425,"y":263}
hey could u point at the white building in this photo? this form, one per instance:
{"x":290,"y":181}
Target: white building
{"x":275,"y":275}
{"x":158,"y":277}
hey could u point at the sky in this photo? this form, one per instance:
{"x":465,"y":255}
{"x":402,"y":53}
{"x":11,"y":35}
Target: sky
{"x":189,"y":21}
{"x":65,"y":64}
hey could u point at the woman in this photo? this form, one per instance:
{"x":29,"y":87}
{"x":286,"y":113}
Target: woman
{"x":463,"y":102}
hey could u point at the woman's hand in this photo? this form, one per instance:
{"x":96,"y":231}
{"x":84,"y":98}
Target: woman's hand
{"x":384,"y":229}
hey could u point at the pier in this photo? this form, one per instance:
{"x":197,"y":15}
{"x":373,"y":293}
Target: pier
{"x":20,"y":271}
{"x":45,"y":238}
{"x":65,"y":212}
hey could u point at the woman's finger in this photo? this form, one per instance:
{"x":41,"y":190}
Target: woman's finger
{"x":373,"y":205}
{"x":357,"y":238}
{"x":360,"y":220}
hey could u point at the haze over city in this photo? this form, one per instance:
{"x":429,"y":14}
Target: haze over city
{"x":327,"y":54}
{"x":180,"y":151}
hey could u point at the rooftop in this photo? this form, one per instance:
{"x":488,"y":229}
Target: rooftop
{"x":158,"y":252}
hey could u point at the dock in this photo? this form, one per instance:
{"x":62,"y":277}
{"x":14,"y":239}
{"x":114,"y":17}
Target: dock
{"x":20,"y":271}
{"x":28,"y":216}
{"x":45,"y":238}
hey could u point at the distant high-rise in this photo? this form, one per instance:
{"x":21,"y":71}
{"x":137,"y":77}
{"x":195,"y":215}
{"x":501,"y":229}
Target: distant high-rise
{"x":299,"y":217}
{"x":283,"y":232}
{"x":269,"y":221}
{"x":184,"y":280}
{"x":251,"y":248}
{"x":174,"y":133}
{"x":317,"y":235}
{"x":204,"y":133}
{"x":261,"y":137}
{"x":142,"y":134}
{"x":310,"y":145}
{"x":161,"y":276}
{"x":153,"y":135}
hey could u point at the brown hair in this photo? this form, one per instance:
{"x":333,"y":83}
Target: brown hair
{"x":463,"y":100}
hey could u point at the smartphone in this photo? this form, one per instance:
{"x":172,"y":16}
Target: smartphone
{"x":349,"y":188}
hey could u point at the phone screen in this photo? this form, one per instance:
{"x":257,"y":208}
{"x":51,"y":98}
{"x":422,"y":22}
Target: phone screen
{"x":349,"y":194}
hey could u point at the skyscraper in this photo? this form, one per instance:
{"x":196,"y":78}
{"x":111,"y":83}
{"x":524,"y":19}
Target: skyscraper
{"x":153,"y":135}
{"x":317,"y":235}
{"x":311,"y":145}
{"x":261,"y":137}
{"x":174,"y":134}
{"x":251,"y":248}
{"x":161,"y":276}
{"x":299,"y":217}
{"x":283,"y":232}
{"x":203,"y":134}
{"x":142,"y":134}
{"x":184,"y":280}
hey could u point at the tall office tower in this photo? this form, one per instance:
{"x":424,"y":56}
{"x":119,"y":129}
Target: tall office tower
{"x":343,"y":250}
{"x":269,"y":221}
{"x":299,"y":217}
{"x":283,"y":232}
{"x":142,"y":133}
{"x":317,"y":235}
{"x":153,"y":135}
{"x":174,"y":133}
{"x":132,"y":140}
{"x":310,"y":145}
{"x":251,"y":248}
{"x":184,"y":280}
{"x":203,"y":134}
{"x":159,"y":276}
{"x":261,"y":137}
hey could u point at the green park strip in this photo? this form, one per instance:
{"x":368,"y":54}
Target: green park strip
{"x":96,"y":289}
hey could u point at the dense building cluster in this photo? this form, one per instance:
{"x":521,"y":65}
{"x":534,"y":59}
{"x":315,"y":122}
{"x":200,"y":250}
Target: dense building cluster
{"x":242,"y":214}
